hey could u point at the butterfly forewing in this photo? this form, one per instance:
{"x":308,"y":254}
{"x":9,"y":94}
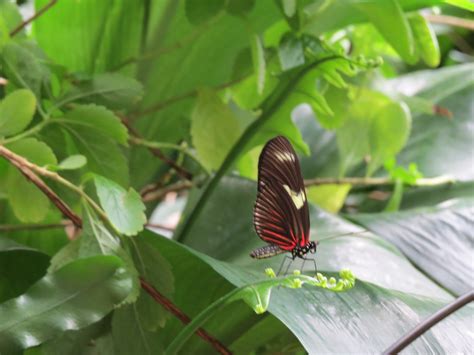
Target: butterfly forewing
{"x":281,"y":212}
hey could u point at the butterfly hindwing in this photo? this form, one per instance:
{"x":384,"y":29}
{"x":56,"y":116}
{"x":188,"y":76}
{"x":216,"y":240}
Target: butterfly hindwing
{"x":281,"y":214}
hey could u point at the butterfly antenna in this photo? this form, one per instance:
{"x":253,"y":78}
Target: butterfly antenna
{"x":343,"y":235}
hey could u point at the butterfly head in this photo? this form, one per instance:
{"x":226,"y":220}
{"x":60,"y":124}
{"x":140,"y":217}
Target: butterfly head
{"x":300,"y":252}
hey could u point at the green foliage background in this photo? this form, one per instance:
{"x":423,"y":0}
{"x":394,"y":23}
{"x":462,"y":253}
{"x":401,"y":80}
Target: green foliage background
{"x":114,"y":103}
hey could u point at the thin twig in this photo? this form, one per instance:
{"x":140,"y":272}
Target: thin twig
{"x":32,"y":18}
{"x":158,"y":153}
{"x":165,"y":103}
{"x":19,"y":163}
{"x":385,"y":181}
{"x":26,"y":227}
{"x":416,"y":332}
{"x":170,"y":307}
{"x":451,"y":21}
{"x":154,"y":195}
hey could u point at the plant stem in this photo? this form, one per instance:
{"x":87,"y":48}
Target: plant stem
{"x":269,"y":107}
{"x":27,"y":133}
{"x":162,"y":145}
{"x":149,"y":195}
{"x":385,"y":181}
{"x":26,"y":169}
{"x":170,"y":307}
{"x":450,"y":20}
{"x":32,"y":18}
{"x":416,"y":332}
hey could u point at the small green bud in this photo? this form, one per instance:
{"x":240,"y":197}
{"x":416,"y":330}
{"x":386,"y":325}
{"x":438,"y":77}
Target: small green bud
{"x":270,"y":273}
{"x":297,"y":283}
{"x":379,"y":61}
{"x":259,"y":309}
{"x":332,"y":281}
{"x":296,"y":272}
{"x":319,"y":276}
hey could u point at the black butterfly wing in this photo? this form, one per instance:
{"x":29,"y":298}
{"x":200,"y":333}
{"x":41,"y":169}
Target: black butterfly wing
{"x":281,"y":214}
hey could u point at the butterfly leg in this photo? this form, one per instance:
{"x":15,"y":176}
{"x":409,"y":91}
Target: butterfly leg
{"x":282,"y":263}
{"x":314,"y":262}
{"x":302,"y":265}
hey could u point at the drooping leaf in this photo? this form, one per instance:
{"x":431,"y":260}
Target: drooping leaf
{"x":125,"y":209}
{"x":258,"y":59}
{"x":27,"y":201}
{"x":21,"y":266}
{"x":72,"y":162}
{"x":62,"y":301}
{"x":210,"y":119}
{"x":16,"y":112}
{"x":97,"y":118}
{"x":112,"y":90}
{"x":425,"y":39}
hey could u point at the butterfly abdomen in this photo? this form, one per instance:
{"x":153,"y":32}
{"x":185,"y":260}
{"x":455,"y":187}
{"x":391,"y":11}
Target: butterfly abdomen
{"x":267,"y":251}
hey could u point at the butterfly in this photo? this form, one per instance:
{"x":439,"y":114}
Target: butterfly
{"x":281,"y":215}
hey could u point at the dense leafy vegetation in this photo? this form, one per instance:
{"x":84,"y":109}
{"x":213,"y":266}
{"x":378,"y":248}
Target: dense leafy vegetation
{"x":120,"y":118}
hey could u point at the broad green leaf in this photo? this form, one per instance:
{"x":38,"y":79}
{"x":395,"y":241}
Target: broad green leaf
{"x":390,"y":20}
{"x":438,"y":240}
{"x":357,"y":311}
{"x":258,"y":59}
{"x":16,"y":112}
{"x":198,"y":12}
{"x":125,"y":209}
{"x":23,"y":266}
{"x":27,"y":201}
{"x":289,"y":7}
{"x":425,"y":39}
{"x":213,"y":125}
{"x":100,"y":36}
{"x":115,"y":91}
{"x":97,"y":118}
{"x":73,"y":297}
{"x":389,"y":132}
{"x":72,"y":162}
{"x":290,"y":52}
{"x":11,"y":15}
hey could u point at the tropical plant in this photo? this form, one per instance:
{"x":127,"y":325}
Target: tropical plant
{"x":119,"y":119}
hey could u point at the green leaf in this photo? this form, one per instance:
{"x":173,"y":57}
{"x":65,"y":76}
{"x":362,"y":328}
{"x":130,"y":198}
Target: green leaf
{"x":239,"y":7}
{"x":97,"y":118}
{"x":4,"y":32}
{"x":24,"y":267}
{"x":329,"y":197}
{"x":24,"y":66}
{"x":100,"y":36}
{"x":16,"y":112}
{"x":28,"y":203}
{"x":115,"y":91}
{"x":388,"y":134}
{"x":289,"y":7}
{"x":198,"y":12}
{"x":11,"y":15}
{"x":156,"y":270}
{"x":290,"y":52}
{"x":390,"y":20}
{"x":63,"y":301}
{"x":210,"y":119}
{"x":258,"y":59}
{"x":435,"y":142}
{"x":438,"y":240}
{"x":94,"y":132}
{"x":425,"y":39}
{"x":72,"y":162}
{"x":125,"y":209}
{"x":463,"y":4}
